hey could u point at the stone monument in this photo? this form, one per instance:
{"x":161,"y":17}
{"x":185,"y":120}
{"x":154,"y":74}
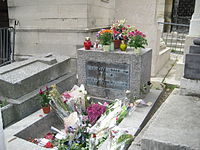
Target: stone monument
{"x":21,"y":81}
{"x":190,"y":83}
{"x":2,"y":142}
{"x":110,"y":74}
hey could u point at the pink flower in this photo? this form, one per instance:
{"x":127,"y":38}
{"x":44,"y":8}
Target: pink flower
{"x":94,"y":112}
{"x":49,"y":136}
{"x":105,"y":104}
{"x":67,"y":95}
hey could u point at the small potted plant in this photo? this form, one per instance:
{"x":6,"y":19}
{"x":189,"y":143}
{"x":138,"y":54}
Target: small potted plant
{"x":105,"y":37}
{"x":45,"y":99}
{"x":137,"y":40}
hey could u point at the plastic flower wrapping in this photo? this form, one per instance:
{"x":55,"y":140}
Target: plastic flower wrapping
{"x":86,"y":125}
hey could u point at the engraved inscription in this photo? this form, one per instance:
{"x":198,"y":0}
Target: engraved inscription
{"x":115,"y":76}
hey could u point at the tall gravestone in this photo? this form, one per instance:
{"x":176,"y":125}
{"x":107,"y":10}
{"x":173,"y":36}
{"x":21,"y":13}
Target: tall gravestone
{"x":190,"y":83}
{"x":110,"y":74}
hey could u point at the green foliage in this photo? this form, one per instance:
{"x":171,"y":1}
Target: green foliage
{"x":3,"y":103}
{"x":105,"y":38}
{"x":137,"y":42}
{"x":124,"y":138}
{"x":122,"y":115}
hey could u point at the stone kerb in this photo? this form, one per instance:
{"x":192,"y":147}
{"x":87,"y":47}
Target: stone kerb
{"x":110,"y":74}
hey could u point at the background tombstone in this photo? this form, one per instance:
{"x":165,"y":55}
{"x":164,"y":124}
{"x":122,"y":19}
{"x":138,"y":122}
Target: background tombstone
{"x":190,"y":83}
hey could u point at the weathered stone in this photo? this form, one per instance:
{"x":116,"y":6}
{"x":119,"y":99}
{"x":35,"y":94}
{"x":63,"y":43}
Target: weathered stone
{"x":194,"y":49}
{"x":192,"y":66}
{"x":109,"y":74}
{"x":20,"y":78}
{"x":29,"y":103}
{"x":2,"y":141}
{"x":196,"y":41}
{"x":190,"y":87}
{"x":175,"y":126}
{"x":134,"y":122}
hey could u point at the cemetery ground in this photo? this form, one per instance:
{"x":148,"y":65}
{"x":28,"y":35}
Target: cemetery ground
{"x":161,"y":126}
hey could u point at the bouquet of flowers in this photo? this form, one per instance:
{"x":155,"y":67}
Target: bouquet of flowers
{"x":105,"y":36}
{"x":86,"y":126}
{"x":121,"y":30}
{"x":137,"y":39}
{"x":119,"y":139}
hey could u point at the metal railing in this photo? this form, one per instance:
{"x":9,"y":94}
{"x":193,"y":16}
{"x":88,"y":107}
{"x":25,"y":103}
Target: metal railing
{"x":174,"y":35}
{"x":7,"y":45}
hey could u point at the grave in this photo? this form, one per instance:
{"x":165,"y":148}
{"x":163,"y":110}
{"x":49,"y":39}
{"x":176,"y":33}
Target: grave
{"x":19,"y":133}
{"x":110,"y":74}
{"x":21,"y":81}
{"x":190,"y":83}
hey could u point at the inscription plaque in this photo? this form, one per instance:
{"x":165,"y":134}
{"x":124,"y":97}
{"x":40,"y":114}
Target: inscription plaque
{"x":115,"y":76}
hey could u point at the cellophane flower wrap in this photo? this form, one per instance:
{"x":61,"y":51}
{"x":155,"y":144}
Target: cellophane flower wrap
{"x":86,"y":124}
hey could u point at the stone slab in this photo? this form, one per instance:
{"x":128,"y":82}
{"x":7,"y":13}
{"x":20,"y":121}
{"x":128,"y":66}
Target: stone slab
{"x":20,"y":78}
{"x":135,"y":122}
{"x":110,"y":67}
{"x":192,"y":66}
{"x":175,"y":126}
{"x":13,"y":142}
{"x":194,"y":49}
{"x":2,"y":143}
{"x":190,"y":87}
{"x":29,"y":103}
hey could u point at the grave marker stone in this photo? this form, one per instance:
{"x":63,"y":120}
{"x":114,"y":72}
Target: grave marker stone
{"x":110,"y":74}
{"x":190,"y":83}
{"x":192,"y":61}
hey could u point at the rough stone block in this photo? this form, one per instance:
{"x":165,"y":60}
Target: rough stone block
{"x":192,"y":66}
{"x":190,"y":87}
{"x":110,"y":74}
{"x":194,"y":49}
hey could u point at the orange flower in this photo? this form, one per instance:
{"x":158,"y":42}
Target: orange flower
{"x":106,"y":31}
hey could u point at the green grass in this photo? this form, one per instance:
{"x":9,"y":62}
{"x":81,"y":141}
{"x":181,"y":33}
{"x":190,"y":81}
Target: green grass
{"x":3,"y":103}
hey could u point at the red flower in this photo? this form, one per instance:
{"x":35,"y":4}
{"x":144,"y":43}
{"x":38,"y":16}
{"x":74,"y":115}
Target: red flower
{"x":49,"y":145}
{"x":41,"y":92}
{"x":47,"y":88}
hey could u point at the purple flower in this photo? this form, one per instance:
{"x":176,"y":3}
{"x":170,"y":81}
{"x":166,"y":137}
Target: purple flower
{"x":94,"y":112}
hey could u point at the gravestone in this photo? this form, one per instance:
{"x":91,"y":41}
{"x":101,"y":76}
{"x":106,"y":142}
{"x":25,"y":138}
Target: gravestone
{"x":21,"y":81}
{"x":192,"y":62}
{"x":190,"y":83}
{"x":110,"y":74}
